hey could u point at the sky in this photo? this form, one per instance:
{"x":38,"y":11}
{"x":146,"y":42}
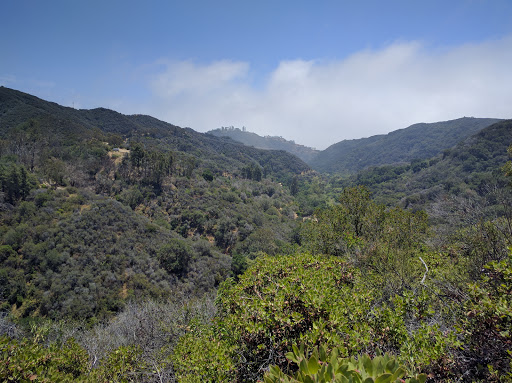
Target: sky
{"x":316,"y":72}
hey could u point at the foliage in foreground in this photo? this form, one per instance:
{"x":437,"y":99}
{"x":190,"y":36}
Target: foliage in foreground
{"x":28,"y":360}
{"x":200,"y":356}
{"x":303,"y":298}
{"x":384,"y":242}
{"x":381,"y":289}
{"x":323,"y":366}
{"x":487,"y":325}
{"x":31,"y":361}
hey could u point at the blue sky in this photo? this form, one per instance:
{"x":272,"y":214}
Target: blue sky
{"x":314,"y":71}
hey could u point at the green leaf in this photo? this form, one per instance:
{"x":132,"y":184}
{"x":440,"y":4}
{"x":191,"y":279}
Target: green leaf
{"x":384,"y":378}
{"x":368,"y":364}
{"x":400,"y":372}
{"x":275,"y":370}
{"x":421,"y":378}
{"x":313,"y":364}
{"x":291,"y":356}
{"x":391,"y":366}
{"x":304,"y":366}
{"x":323,"y":353}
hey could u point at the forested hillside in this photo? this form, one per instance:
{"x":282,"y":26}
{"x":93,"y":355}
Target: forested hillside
{"x":419,"y":141}
{"x":99,"y":208}
{"x":469,"y":169}
{"x":305,"y":153}
{"x":67,"y":124}
{"x":132,"y":250}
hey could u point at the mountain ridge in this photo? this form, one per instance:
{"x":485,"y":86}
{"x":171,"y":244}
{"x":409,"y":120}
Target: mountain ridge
{"x":418,"y":141}
{"x":305,"y":153}
{"x":17,"y":108}
{"x":467,"y":169}
{"x":415,"y":142}
{"x":123,"y":206}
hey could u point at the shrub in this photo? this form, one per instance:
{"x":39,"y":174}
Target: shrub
{"x":487,"y":325}
{"x":323,"y":367}
{"x":123,"y":365}
{"x":175,"y":256}
{"x":281,"y":300}
{"x":200,"y":356}
{"x":208,"y":175}
{"x":28,"y":360}
{"x":302,"y":298}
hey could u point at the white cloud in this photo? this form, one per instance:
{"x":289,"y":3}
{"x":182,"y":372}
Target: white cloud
{"x":188,"y":79}
{"x":318,"y":103}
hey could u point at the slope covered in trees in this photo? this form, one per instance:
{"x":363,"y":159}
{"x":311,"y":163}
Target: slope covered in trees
{"x":469,"y":169}
{"x":23,"y":117}
{"x":418,"y":141}
{"x":99,"y":208}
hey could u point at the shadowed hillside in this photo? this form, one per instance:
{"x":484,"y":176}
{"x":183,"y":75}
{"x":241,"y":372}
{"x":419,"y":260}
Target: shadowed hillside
{"x":418,"y":141}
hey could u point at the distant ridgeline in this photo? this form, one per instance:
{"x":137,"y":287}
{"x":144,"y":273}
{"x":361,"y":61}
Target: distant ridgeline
{"x":418,"y":141}
{"x":62,"y":124}
{"x":468,"y":169}
{"x":305,"y":153}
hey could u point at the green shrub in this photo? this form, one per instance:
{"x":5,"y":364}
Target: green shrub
{"x":282,"y":300}
{"x":175,"y":256}
{"x":208,"y":175}
{"x":302,"y":298}
{"x":28,"y":360}
{"x":323,"y":367}
{"x":487,"y":325}
{"x":201,"y":356}
{"x":123,"y":365}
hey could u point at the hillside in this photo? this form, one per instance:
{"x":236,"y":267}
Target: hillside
{"x":418,"y":141}
{"x":469,"y":169}
{"x":17,"y":108}
{"x":119,"y":206}
{"x":135,"y":250}
{"x":305,"y":153}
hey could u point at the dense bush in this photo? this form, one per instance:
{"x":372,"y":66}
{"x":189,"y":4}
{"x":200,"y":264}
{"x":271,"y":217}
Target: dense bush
{"x":487,"y":325}
{"x":301,"y":298}
{"x":323,"y":366}
{"x":113,"y":227}
{"x":29,"y":360}
{"x":384,"y":242}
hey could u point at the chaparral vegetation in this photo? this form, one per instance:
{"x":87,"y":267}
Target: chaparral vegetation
{"x":132,"y":250}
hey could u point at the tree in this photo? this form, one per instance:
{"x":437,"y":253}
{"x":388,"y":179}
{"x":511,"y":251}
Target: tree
{"x":208,"y":175}
{"x":56,"y":170}
{"x":189,"y":166}
{"x":15,"y":183}
{"x":12,"y":187}
{"x":175,"y":256}
{"x":256,"y":173}
{"x":24,"y":187}
{"x":247,"y":172}
{"x":507,"y":169}
{"x":137,"y":154}
{"x":383,"y":241}
{"x":294,"y":186}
